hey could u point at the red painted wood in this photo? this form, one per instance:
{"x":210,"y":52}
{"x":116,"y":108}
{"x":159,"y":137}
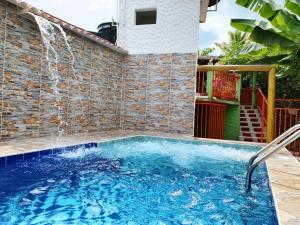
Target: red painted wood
{"x":210,"y":120}
{"x":224,"y":85}
{"x":246,"y":96}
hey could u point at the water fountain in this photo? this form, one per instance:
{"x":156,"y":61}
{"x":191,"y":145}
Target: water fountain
{"x":48,"y":32}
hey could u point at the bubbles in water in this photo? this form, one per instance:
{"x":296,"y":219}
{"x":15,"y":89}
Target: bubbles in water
{"x":181,"y":153}
{"x":38,"y":190}
{"x":176,"y":193}
{"x":79,"y":153}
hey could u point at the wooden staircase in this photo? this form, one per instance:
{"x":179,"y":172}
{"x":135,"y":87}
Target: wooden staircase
{"x":250,"y":124}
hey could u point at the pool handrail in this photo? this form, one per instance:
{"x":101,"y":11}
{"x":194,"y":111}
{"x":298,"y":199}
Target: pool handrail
{"x":280,"y":142}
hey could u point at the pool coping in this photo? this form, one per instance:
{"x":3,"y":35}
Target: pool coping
{"x":283,"y":169}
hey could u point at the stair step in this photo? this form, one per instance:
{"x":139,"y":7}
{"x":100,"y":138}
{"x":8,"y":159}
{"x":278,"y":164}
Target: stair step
{"x":252,"y":115}
{"x":254,"y":119}
{"x":250,"y":139}
{"x":245,"y":129}
{"x":250,"y":134}
{"x":244,"y":124}
{"x":250,"y":124}
{"x":256,"y":124}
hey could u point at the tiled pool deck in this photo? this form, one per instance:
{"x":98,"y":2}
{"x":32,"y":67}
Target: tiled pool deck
{"x":284,"y":169}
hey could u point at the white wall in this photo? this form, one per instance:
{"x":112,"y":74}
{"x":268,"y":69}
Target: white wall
{"x":176,"y":30}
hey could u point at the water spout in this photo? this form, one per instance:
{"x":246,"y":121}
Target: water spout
{"x":48,"y":33}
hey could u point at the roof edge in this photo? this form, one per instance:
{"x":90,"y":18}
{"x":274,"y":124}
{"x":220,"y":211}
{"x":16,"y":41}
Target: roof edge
{"x":27,"y":7}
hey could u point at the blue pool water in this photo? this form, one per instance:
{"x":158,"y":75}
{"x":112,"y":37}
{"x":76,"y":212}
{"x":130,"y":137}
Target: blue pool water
{"x":140,"y":180}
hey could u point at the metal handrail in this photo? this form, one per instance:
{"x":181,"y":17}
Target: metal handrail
{"x":274,"y":142}
{"x":280,"y":142}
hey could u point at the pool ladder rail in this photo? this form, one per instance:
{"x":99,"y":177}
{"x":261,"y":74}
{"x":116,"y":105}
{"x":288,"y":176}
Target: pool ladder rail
{"x":276,"y":145}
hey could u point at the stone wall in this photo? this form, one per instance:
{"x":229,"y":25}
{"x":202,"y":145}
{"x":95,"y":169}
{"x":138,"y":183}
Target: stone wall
{"x":28,"y":104}
{"x":113,"y":91}
{"x":159,"y":92}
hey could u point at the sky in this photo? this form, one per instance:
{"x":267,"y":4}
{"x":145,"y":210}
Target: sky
{"x":88,"y":14}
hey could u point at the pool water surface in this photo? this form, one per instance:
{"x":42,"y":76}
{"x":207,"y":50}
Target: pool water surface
{"x":140,"y":180}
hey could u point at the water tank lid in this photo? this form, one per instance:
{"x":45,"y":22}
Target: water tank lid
{"x":213,"y":2}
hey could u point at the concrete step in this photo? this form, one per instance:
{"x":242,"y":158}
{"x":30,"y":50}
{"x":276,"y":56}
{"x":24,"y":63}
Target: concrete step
{"x":250,"y":139}
{"x":250,"y":124}
{"x":250,"y":134}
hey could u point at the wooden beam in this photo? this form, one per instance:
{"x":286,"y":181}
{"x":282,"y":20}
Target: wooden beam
{"x":248,"y":68}
{"x":271,"y":105}
{"x":203,"y":10}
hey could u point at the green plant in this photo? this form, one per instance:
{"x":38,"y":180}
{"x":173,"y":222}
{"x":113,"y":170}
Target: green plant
{"x":232,"y":50}
{"x":276,"y":40}
{"x":206,"y":51}
{"x":281,"y":30}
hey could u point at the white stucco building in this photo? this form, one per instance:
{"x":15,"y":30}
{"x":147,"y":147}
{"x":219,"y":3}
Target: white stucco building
{"x":160,"y":26}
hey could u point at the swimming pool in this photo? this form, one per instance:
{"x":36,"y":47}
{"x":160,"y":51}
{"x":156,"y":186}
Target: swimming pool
{"x":138,"y":180}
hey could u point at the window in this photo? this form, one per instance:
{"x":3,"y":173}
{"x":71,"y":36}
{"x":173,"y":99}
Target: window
{"x":144,"y":17}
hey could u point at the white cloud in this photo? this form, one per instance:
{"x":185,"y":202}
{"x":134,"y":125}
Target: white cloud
{"x":101,"y":5}
{"x":219,"y":22}
{"x":87,"y":14}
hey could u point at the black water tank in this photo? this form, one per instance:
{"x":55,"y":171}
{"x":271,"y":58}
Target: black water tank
{"x":108,"y":32}
{"x":213,"y":2}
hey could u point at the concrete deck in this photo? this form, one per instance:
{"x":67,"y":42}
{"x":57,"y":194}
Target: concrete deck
{"x":284,"y":169}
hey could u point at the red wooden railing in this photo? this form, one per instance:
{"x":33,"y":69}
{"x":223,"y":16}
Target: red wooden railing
{"x":246,"y":96}
{"x":287,"y":115}
{"x":262,"y":105}
{"x":224,"y":85}
{"x":210,"y":120}
{"x":201,"y":83}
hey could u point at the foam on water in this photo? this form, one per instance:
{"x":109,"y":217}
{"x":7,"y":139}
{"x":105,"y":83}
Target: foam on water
{"x":180,"y":152}
{"x":79,"y":153}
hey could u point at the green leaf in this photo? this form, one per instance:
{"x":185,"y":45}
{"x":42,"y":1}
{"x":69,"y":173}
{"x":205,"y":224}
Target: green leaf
{"x":252,"y":48}
{"x":281,"y":19}
{"x":289,"y":25}
{"x":293,"y":6}
{"x":248,"y":25}
{"x":293,"y":57}
{"x":269,"y":60}
{"x":270,"y":38}
{"x":263,"y":33}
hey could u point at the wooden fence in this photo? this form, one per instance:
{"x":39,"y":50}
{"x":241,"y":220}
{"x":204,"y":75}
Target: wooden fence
{"x":209,"y":120}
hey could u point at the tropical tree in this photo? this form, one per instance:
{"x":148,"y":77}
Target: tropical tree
{"x":281,"y":30}
{"x":232,"y":50}
{"x":206,"y":51}
{"x":278,"y":36}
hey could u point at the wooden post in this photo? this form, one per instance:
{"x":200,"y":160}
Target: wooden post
{"x":254,"y":89}
{"x":209,"y":84}
{"x":271,"y":105}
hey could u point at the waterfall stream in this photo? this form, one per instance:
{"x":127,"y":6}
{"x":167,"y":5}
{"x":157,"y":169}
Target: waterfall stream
{"x":48,"y":32}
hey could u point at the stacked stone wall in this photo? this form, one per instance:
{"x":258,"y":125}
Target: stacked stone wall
{"x":28,"y":103}
{"x":104,"y":91}
{"x":159,"y":92}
